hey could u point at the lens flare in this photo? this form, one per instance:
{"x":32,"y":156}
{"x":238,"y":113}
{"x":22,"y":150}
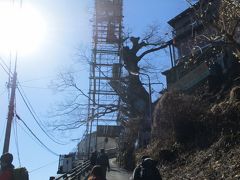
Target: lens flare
{"x":23,"y":29}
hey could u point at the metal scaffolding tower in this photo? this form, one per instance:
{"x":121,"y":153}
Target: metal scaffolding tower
{"x":105,"y":63}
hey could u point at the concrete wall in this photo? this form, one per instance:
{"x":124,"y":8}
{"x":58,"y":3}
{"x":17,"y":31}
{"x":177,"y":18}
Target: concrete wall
{"x":84,"y":144}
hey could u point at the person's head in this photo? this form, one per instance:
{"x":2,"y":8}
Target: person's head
{"x":148,"y":163}
{"x":6,"y":160}
{"x":144,"y":157}
{"x":97,"y":171}
{"x":102,"y":151}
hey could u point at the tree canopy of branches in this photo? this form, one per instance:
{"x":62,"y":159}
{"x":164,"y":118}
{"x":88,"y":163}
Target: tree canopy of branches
{"x":223,"y":17}
{"x":69,"y":113}
{"x":72,"y":112}
{"x":131,"y":57}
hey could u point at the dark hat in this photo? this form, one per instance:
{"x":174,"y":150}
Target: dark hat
{"x":144,"y":157}
{"x":148,"y":162}
{"x":102,"y":150}
{"x":7,"y":158}
{"x":97,"y":171}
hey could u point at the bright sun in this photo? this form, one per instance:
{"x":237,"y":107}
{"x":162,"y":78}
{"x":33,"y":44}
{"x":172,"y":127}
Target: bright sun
{"x":22,"y":28}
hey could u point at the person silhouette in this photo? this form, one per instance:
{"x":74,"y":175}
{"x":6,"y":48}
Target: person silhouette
{"x":97,"y":173}
{"x":7,"y":168}
{"x":103,"y":161}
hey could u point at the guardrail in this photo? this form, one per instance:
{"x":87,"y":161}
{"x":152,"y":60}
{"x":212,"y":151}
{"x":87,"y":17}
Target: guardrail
{"x":77,"y":172}
{"x":82,"y":168}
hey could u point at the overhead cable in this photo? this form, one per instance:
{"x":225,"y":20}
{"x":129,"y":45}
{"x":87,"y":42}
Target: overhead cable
{"x":27,"y":103}
{"x":43,"y":166}
{"x":16,"y":140}
{"x":47,"y":148}
{"x":4,"y":68}
{"x":35,"y":119}
{"x":4,"y":63}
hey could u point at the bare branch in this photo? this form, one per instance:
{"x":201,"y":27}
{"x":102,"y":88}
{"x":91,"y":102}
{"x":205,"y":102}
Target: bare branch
{"x":152,"y":50}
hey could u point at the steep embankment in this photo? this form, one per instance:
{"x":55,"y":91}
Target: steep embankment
{"x":197,"y":139}
{"x":219,"y":161}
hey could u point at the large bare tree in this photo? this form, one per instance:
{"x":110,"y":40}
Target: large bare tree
{"x":138,"y":103}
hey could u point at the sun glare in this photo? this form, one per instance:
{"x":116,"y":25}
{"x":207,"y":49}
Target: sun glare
{"x":22,"y":28}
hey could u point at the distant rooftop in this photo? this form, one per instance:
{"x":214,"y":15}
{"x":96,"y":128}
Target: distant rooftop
{"x":182,"y":14}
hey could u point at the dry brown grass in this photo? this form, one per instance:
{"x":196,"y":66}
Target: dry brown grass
{"x":214,"y":152}
{"x":175,"y":118}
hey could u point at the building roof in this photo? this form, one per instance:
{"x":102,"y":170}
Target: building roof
{"x":182,"y":14}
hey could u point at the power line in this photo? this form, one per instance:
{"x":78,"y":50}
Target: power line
{"x":27,"y":132}
{"x":46,"y":88}
{"x":29,"y":106}
{"x":37,"y":79}
{"x":52,"y":77}
{"x":43,"y":166}
{"x":35,"y":119}
{"x":7,"y":70}
{"x":4,"y":68}
{"x":2,"y":134}
{"x":47,"y":148}
{"x":16,"y":141}
{"x":28,"y":102}
{"x":16,"y":135}
{"x":32,"y":87}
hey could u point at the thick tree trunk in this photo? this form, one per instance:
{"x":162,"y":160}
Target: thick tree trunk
{"x":139,"y":95}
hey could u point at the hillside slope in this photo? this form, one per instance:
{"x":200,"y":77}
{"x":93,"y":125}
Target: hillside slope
{"x":219,"y":161}
{"x":197,"y":143}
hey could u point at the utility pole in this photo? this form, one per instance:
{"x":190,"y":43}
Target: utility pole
{"x":10,"y":113}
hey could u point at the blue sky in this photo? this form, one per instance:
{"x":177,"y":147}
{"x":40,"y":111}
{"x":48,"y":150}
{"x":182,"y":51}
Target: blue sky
{"x":68,"y":28}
